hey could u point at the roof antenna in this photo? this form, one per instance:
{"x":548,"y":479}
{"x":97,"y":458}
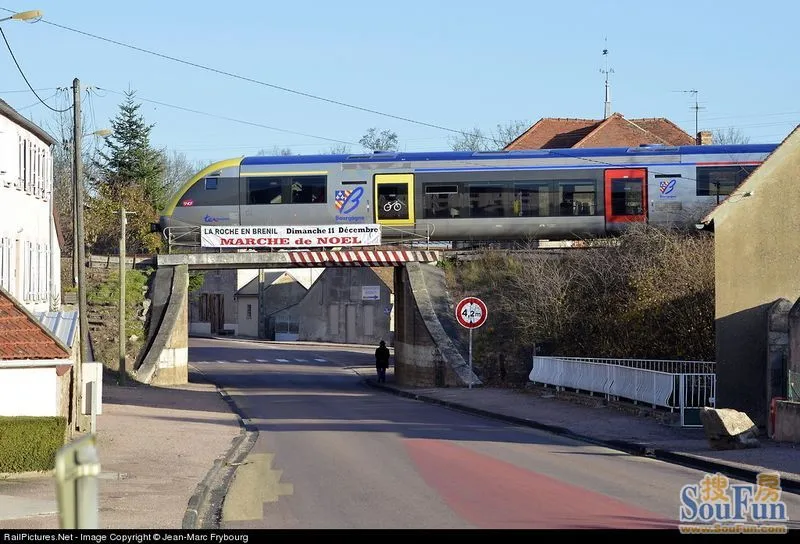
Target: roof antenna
{"x":607,"y":71}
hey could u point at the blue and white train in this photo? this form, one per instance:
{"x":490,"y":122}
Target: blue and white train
{"x":552,"y":194}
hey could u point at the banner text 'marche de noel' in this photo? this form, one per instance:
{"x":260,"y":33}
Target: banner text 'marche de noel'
{"x":291,"y":237}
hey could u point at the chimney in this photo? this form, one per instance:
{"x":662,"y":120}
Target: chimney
{"x":705,"y":137}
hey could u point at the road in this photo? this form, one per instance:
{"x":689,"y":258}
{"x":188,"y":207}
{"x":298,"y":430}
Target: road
{"x":334,"y":453}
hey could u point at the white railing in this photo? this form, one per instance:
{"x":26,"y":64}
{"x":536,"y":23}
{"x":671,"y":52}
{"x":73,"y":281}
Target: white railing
{"x":677,"y":385}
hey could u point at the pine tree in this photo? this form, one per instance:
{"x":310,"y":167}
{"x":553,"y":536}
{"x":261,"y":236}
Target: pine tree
{"x":130,"y":160}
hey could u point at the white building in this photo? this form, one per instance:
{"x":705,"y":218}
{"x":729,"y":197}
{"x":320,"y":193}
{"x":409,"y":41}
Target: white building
{"x":29,"y":250}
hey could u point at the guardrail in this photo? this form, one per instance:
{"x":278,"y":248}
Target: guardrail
{"x":686,"y":386}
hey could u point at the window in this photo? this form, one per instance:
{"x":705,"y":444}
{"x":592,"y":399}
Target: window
{"x":249,"y":311}
{"x":265,"y":190}
{"x":287,"y":189}
{"x":489,"y":199}
{"x":531,"y":200}
{"x":720,"y":180}
{"x":576,"y":197}
{"x":441,"y":201}
{"x":212,"y":191}
{"x":287,"y":325}
{"x":5,"y":263}
{"x":308,"y":189}
{"x":393,"y":201}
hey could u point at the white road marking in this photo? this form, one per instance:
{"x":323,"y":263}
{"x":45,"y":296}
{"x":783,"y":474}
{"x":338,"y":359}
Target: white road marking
{"x":261,"y":361}
{"x":301,"y":360}
{"x":282,"y":360}
{"x":320,"y":360}
{"x":243,"y":361}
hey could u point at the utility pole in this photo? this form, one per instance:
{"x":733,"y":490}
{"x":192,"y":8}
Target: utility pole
{"x":122,"y":254}
{"x":77,"y":178}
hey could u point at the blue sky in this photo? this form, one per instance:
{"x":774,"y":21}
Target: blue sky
{"x":453,"y":64}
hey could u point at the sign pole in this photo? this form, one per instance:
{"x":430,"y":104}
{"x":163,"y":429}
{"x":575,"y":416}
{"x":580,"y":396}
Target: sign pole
{"x":470,"y":358}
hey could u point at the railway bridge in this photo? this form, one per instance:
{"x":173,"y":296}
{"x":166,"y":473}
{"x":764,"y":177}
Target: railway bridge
{"x":427,"y":349}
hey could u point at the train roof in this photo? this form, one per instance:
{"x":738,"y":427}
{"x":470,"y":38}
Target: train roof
{"x":383,"y":156}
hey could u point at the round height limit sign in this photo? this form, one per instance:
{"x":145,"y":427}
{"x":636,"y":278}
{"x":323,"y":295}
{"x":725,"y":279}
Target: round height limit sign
{"x":471,"y":313}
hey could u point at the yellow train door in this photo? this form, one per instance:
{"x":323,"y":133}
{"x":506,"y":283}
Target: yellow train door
{"x":394,"y":199}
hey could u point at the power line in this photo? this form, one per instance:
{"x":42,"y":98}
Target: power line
{"x":245,"y":78}
{"x":25,"y":78}
{"x":251,"y":123}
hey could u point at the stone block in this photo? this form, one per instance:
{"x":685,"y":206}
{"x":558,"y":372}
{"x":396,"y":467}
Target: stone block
{"x":728,"y":429}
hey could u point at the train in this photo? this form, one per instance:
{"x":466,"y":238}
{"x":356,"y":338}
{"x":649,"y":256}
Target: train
{"x":452,"y":196}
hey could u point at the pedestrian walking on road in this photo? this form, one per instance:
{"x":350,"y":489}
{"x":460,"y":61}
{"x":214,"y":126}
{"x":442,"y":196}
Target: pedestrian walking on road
{"x":382,"y":361}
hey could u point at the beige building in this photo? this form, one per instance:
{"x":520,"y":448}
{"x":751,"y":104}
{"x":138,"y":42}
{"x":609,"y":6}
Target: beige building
{"x":757,"y":264}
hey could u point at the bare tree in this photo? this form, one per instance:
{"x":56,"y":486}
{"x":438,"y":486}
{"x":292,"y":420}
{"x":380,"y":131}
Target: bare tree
{"x":276,"y":151}
{"x":385,"y":140}
{"x":477,"y":140}
{"x":729,"y":136}
{"x":178,"y":169}
{"x":339,"y":149}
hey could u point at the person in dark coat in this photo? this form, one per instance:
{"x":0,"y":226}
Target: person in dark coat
{"x":382,"y":361}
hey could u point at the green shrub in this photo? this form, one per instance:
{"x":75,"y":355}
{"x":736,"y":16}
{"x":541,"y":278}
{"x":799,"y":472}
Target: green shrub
{"x":29,"y":444}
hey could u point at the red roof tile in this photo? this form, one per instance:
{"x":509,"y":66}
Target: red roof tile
{"x":22,"y":336}
{"x":615,"y":131}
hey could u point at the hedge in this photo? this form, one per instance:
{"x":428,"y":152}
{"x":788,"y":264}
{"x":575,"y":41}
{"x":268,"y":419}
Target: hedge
{"x":29,"y":444}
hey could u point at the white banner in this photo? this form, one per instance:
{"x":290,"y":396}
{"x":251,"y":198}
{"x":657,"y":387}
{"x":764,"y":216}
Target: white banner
{"x":292,"y":237}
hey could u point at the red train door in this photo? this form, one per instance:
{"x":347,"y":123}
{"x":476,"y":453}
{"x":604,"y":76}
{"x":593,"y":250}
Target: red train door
{"x":626,"y":195}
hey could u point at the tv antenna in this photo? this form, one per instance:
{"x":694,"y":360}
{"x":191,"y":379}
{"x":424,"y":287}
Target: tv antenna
{"x":697,"y":107}
{"x":607,"y":71}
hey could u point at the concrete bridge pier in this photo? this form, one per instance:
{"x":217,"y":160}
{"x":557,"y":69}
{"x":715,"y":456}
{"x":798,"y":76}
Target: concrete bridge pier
{"x":166,"y":360}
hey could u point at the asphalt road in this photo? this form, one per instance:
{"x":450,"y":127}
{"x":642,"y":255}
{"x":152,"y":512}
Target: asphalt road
{"x":334,"y":453}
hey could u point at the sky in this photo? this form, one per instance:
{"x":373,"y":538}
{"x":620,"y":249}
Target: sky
{"x":219,"y":81}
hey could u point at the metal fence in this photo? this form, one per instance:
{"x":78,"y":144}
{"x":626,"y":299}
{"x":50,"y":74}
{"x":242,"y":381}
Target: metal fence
{"x":686,"y":386}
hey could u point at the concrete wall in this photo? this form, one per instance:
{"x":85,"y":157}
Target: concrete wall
{"x":426,"y":347}
{"x":756,"y":248}
{"x":339,"y":307}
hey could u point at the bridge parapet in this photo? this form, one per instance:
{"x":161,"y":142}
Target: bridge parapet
{"x":291,"y":259}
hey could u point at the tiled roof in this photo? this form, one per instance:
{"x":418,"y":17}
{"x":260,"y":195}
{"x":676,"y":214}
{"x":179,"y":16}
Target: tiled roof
{"x":615,"y":131}
{"x":22,"y":336}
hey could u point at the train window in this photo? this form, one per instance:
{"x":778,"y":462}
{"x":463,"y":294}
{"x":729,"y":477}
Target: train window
{"x":212,"y":192}
{"x":309,"y":189}
{"x":626,"y":196}
{"x":442,"y":201}
{"x":720,"y":180}
{"x":490,"y":200}
{"x":531,"y":200}
{"x":267,"y":190}
{"x":577,"y":197}
{"x":392,"y":201}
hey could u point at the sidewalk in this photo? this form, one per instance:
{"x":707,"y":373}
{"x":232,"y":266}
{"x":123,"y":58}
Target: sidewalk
{"x":159,"y":448}
{"x":537,"y":407}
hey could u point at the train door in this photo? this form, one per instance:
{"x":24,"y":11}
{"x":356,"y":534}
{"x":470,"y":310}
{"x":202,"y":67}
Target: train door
{"x":625,"y":195}
{"x":394,"y":199}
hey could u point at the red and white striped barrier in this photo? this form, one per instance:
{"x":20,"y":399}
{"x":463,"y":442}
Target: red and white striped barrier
{"x":361,"y":258}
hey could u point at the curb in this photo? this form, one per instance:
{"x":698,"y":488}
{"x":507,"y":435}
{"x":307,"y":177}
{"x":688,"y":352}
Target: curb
{"x":683,"y":459}
{"x":27,"y":475}
{"x":204,"y":510}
